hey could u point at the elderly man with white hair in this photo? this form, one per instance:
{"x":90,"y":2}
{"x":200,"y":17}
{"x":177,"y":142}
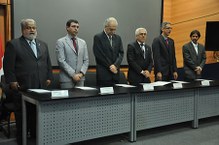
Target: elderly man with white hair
{"x":139,"y":57}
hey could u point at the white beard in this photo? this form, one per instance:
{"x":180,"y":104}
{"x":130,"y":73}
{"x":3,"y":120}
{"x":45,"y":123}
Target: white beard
{"x":32,"y":36}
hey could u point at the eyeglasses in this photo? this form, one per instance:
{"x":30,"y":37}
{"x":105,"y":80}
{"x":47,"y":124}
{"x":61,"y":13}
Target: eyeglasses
{"x":169,"y":28}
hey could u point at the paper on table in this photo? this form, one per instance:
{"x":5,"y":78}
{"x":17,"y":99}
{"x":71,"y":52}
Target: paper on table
{"x":125,"y":85}
{"x":86,"y":88}
{"x":182,"y":82}
{"x":39,"y":90}
{"x":203,"y":80}
{"x":158,"y":83}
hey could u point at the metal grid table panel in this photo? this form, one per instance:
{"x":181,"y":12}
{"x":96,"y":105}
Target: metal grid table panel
{"x":163,"y":108}
{"x":208,"y":102}
{"x":73,"y":120}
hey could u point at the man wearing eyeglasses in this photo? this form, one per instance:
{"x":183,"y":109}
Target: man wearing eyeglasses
{"x":108,"y":52}
{"x":139,"y":57}
{"x":163,"y":48}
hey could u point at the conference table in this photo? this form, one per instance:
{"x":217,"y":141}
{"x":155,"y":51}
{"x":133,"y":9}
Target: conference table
{"x":88,"y":114}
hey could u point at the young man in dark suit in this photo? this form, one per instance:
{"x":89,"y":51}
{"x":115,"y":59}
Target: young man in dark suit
{"x":163,"y":48}
{"x":139,"y":57}
{"x":194,"y":57}
{"x":26,"y":66}
{"x":108,"y":52}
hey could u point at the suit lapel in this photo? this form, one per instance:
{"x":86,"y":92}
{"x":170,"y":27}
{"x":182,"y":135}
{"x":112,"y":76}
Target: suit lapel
{"x":27,"y":47}
{"x":39,"y":49}
{"x":199,"y":50}
{"x":165,"y":47}
{"x":193,"y":49}
{"x":139,"y":49}
{"x":70,"y":44}
{"x":108,"y":41}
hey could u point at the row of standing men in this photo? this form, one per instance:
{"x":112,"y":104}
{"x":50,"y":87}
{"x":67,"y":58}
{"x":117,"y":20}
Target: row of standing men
{"x":108,"y":52}
{"x":27,"y":62}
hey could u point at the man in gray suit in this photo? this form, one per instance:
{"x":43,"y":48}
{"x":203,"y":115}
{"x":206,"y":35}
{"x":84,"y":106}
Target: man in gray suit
{"x":194,"y":57}
{"x":72,"y":56}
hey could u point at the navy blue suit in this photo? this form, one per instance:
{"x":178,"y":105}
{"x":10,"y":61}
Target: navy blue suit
{"x":164,"y":57}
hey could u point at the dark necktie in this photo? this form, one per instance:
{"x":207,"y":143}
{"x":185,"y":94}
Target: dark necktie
{"x":111,"y":41}
{"x":75,"y":44}
{"x":167,"y":42}
{"x":142,"y":49}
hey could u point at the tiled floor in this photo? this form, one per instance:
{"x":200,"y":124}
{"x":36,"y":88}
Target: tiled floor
{"x":178,"y":134}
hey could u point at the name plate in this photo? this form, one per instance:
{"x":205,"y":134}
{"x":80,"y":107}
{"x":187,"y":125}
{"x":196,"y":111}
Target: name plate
{"x":59,"y":94}
{"x":148,"y":87}
{"x":205,"y":83}
{"x":177,"y":85}
{"x":106,"y":90}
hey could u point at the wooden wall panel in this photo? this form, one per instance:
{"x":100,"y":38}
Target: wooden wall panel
{"x":3,"y":1}
{"x":181,"y":32}
{"x":187,"y":15}
{"x":167,"y":6}
{"x":2,"y":25}
{"x":5,"y":21}
{"x":184,"y":10}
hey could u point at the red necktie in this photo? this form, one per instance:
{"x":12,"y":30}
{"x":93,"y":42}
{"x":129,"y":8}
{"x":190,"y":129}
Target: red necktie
{"x":167,"y":42}
{"x":75,"y":44}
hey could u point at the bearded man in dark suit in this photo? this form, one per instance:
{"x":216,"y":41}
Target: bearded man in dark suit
{"x":27,"y":65}
{"x":194,"y":57}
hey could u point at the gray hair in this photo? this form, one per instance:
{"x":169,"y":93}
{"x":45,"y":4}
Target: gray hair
{"x":109,"y":20}
{"x":163,"y":25}
{"x":24,"y":22}
{"x":137,"y":31}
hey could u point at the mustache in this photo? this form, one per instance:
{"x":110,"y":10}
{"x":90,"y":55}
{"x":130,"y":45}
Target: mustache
{"x":32,"y":36}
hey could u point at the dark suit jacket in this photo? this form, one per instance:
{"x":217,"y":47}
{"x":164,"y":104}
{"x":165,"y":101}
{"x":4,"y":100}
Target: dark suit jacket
{"x":137,"y":63}
{"x":106,"y":55}
{"x":164,"y":57}
{"x":192,"y":60}
{"x":21,"y":65}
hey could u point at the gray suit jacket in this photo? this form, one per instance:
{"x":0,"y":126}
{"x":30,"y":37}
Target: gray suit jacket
{"x":192,"y":60}
{"x":69,"y":61}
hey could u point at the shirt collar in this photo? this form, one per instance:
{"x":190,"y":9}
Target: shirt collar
{"x":140,"y":43}
{"x":107,"y":34}
{"x":33,"y":41}
{"x":70,"y":37}
{"x":165,"y":38}
{"x":194,"y":44}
